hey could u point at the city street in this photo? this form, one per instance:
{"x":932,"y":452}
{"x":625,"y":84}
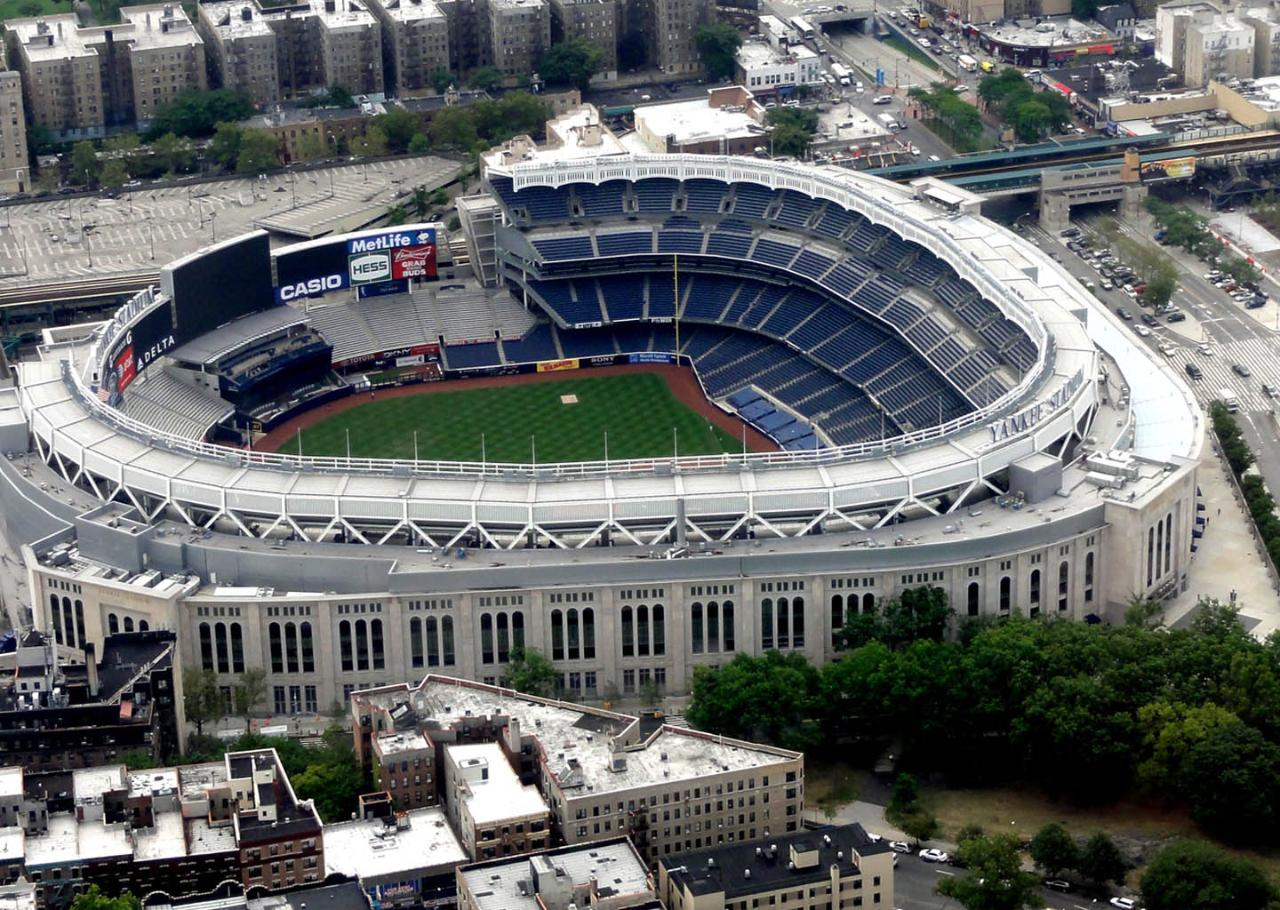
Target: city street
{"x":915,"y":882}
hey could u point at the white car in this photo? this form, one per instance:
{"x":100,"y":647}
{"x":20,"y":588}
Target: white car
{"x":1206,"y":350}
{"x":1142,"y":330}
{"x":937,"y":856}
{"x":899,"y":846}
{"x":1124,"y":903}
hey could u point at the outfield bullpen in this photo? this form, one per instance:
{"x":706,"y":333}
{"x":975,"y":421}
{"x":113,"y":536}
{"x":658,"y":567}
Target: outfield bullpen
{"x":565,"y":417}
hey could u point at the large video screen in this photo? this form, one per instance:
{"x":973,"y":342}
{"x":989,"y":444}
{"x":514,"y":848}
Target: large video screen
{"x":216,"y":286}
{"x":134,"y":350}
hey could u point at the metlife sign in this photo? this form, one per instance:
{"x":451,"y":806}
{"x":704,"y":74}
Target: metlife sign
{"x":392,"y":240}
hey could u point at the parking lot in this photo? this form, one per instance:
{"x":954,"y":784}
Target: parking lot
{"x":91,"y":236}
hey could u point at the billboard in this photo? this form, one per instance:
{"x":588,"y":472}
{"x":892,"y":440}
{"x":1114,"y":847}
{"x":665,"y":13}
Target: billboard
{"x":216,"y":285}
{"x":150,"y":337}
{"x":555,"y":366}
{"x":369,"y":268}
{"x":414,"y":262}
{"x":332,"y":264}
{"x":1169,"y":169}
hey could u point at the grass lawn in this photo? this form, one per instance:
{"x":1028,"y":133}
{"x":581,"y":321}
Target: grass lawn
{"x":21,"y":9}
{"x":637,"y":410}
{"x":983,"y":143}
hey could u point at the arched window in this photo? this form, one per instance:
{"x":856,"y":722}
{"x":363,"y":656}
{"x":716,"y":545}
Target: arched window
{"x":557,"y":635}
{"x":975,"y":598}
{"x":433,"y":642}
{"x":1151,"y":554}
{"x":574,"y":641}
{"x":55,"y":617}
{"x":695,"y":627}
{"x":868,"y":603}
{"x":766,"y":623}
{"x":128,"y":624}
{"x":797,"y":622}
{"x":375,"y":635}
{"x":642,"y":631}
{"x":726,"y":624}
{"x":113,"y":624}
{"x":446,"y":640}
{"x":837,"y":618}
{"x":308,"y":649}
{"x":143,"y":626}
{"x":784,"y":623}
{"x":504,"y":638}
{"x":1168,"y":542}
{"x":415,"y":642}
{"x":1088,"y":575}
{"x":206,"y":645}
{"x":659,"y":631}
{"x":237,"y":648}
{"x":344,"y":645}
{"x":291,"y":646}
{"x":517,"y":629}
{"x":588,"y":633}
{"x":1006,"y":594}
{"x":1161,"y":568}
{"x":1064,"y":577}
{"x":486,"y":638}
{"x":68,"y":619}
{"x":80,"y":624}
{"x":219,"y":639}
{"x":1035,"y":589}
{"x":628,"y":632}
{"x":362,"y":645}
{"x":275,"y":645}
{"x":713,"y":627}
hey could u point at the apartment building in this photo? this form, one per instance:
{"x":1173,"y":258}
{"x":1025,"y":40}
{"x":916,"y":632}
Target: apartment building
{"x":609,"y":874}
{"x":1265,"y":21}
{"x":1172,"y":19}
{"x":764,"y":69}
{"x":278,"y":838}
{"x":350,"y":45}
{"x":242,"y":49}
{"x":61,"y":76}
{"x":404,"y":765}
{"x":518,"y":33}
{"x":15,"y":164}
{"x":494,"y":813}
{"x":415,"y":43}
{"x":671,"y":790}
{"x":671,"y":32}
{"x":165,"y":58}
{"x":594,"y":21}
{"x":1218,"y":48}
{"x":809,"y":870}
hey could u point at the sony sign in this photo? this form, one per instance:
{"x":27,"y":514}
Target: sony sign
{"x":1028,"y":417}
{"x":311,"y":287}
{"x":369,"y":268}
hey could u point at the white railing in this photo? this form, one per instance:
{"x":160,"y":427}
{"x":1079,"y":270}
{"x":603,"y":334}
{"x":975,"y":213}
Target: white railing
{"x":841,"y":190}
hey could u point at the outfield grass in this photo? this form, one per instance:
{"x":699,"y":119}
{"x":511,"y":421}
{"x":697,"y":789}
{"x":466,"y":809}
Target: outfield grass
{"x":638,"y":411}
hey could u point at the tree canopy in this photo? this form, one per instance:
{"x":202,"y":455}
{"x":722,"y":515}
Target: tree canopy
{"x":943,"y":103}
{"x":993,"y":878}
{"x":716,"y":44}
{"x":94,"y":899}
{"x":775,"y":697}
{"x":530,"y":672}
{"x":1193,"y":875}
{"x":195,"y":113}
{"x":571,"y":62}
{"x":1032,"y":114}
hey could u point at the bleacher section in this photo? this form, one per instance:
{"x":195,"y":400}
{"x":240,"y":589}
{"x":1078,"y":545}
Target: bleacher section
{"x":165,"y":402}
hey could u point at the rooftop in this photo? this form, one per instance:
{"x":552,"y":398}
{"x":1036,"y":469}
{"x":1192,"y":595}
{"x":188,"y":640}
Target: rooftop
{"x":400,"y":742}
{"x":160,"y":26}
{"x":20,"y":895}
{"x":785,"y":862}
{"x":1050,"y":32}
{"x":762,"y":53}
{"x":612,"y":867}
{"x":10,"y":782}
{"x":578,"y":741}
{"x":410,"y":10}
{"x":494,"y":791}
{"x":687,"y":122}
{"x":369,"y":848}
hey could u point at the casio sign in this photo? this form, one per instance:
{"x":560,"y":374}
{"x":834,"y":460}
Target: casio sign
{"x":310,"y":287}
{"x":370,"y":267}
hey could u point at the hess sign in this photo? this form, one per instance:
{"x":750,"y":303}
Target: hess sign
{"x":369,"y":268}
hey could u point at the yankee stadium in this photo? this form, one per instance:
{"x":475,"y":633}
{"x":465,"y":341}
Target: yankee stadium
{"x":300,"y":458}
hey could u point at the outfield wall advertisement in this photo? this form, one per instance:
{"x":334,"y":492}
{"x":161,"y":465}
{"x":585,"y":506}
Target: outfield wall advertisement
{"x":555,"y":366}
{"x":355,"y":260}
{"x":134,"y":349}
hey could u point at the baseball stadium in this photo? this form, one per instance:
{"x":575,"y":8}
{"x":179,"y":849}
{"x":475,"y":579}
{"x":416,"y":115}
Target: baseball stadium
{"x":640,"y":412}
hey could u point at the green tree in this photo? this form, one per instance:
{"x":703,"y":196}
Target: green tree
{"x":572,"y":63}
{"x":441,"y":79}
{"x":1231,"y":777}
{"x":787,"y":140}
{"x":420,"y":203}
{"x":1169,"y":732}
{"x":113,"y":174}
{"x":454,"y":128}
{"x":1100,"y":860}
{"x":249,"y":691}
{"x":41,"y":141}
{"x":334,"y":785}
{"x":311,"y":147}
{"x":195,"y":113}
{"x":994,"y":879}
{"x":201,"y":700}
{"x":419,"y":144}
{"x":1032,"y":120}
{"x":1193,"y":875}
{"x":259,"y":152}
{"x":94,"y":899}
{"x":1144,"y":612}
{"x":224,"y":148}
{"x":774,"y":697}
{"x":969,"y":832}
{"x":905,"y":795}
{"x":137,"y":760}
{"x":716,"y":44}
{"x":84,"y":163}
{"x":399,"y":126}
{"x":633,"y":50}
{"x":372,"y":144}
{"x":1054,"y":850}
{"x":338,"y":96}
{"x":920,"y":824}
{"x":486,"y":78}
{"x":530,"y":672}
{"x":175,"y":153}
{"x":397,"y":214}
{"x":128,"y":150}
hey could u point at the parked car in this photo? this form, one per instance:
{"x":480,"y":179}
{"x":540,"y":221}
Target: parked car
{"x":899,"y":846}
{"x":1149,"y":319}
{"x":930,"y":855}
{"x":1142,"y":330}
{"x":1057,"y":884}
{"x":1124,"y":314}
{"x":1176,"y":316}
{"x":1124,"y":903}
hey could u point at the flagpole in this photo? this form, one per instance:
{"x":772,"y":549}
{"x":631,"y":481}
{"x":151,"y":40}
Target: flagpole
{"x":415,"y":448}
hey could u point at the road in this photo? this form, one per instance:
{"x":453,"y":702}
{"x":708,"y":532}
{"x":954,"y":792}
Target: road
{"x":915,"y":881}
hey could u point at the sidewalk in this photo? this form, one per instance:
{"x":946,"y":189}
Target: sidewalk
{"x":1229,"y":557}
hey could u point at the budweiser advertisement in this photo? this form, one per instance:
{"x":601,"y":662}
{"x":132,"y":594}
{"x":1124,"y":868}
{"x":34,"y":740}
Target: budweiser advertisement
{"x":417,"y":261}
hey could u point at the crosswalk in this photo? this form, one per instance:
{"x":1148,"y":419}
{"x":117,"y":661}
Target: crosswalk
{"x":1260,"y":355}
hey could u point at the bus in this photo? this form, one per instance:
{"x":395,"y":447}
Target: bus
{"x":804,"y":29}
